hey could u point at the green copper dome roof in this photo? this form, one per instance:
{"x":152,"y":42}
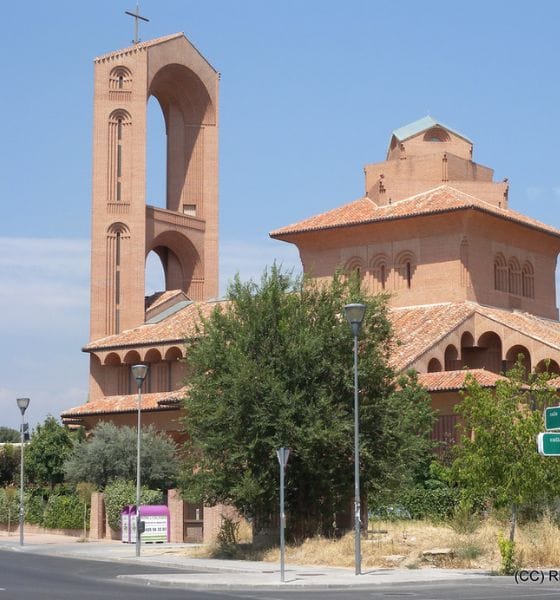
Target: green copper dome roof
{"x":407,"y":131}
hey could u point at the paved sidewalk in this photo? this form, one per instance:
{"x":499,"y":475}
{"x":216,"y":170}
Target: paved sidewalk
{"x":216,"y":574}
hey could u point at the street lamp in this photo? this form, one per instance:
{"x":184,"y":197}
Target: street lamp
{"x":355,"y":315}
{"x":139,"y":373}
{"x":22,"y":403}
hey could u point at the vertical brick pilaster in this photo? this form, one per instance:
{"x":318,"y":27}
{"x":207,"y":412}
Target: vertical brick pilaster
{"x":97,"y":517}
{"x":176,"y":516}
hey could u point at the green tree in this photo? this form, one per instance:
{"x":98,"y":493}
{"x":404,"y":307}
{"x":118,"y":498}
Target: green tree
{"x":110,"y":453}
{"x":9,"y":464}
{"x":497,"y":458}
{"x":274,"y":367}
{"x":50,"y":444}
{"x":7,"y":434}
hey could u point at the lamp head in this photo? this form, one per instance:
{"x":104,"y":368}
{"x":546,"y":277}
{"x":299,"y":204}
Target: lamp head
{"x":139,"y":373}
{"x":22,"y":403}
{"x":354,"y":313}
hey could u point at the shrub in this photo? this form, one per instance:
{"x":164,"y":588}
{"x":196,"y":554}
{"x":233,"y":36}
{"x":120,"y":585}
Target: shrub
{"x":63,"y":512}
{"x":507,"y":552}
{"x":35,"y":504}
{"x":9,"y":506}
{"x":228,"y":537}
{"x":424,"y":503}
{"x":122,"y":493}
{"x":109,"y":454}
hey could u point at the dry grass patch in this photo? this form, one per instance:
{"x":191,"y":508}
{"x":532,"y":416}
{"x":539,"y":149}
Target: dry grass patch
{"x":413,"y":544}
{"x":538,"y":544}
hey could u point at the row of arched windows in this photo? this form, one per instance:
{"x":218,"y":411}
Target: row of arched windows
{"x":512,"y":277}
{"x":379,"y":269}
{"x":488,"y":353}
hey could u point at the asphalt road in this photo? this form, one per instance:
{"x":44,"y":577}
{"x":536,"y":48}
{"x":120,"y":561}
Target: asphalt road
{"x":38,"y":577}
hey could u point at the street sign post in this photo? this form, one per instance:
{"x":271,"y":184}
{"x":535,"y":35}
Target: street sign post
{"x":552,"y":418}
{"x":282,"y":454}
{"x":548,"y":444}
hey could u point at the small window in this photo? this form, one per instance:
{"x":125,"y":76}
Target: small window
{"x":500,"y":273}
{"x":408,"y":274}
{"x":436,"y":134}
{"x":405,"y":265}
{"x":189,"y":209}
{"x":379,"y":273}
{"x":528,"y":282}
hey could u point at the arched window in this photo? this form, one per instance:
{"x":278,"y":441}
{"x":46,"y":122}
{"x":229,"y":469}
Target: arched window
{"x":500,"y":273}
{"x":527,"y":280}
{"x":451,"y":357}
{"x":464,"y":257}
{"x":436,"y":134}
{"x":434,"y":366}
{"x":120,"y":78}
{"x":514,"y":277}
{"x":379,"y":272}
{"x":118,"y":162}
{"x":519,"y":353}
{"x":117,"y":233}
{"x":354,"y":265}
{"x":405,"y":265}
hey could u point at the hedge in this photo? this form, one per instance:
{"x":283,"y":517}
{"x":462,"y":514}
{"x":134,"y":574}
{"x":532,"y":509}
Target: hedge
{"x":63,"y":512}
{"x":122,"y":493}
{"x":425,"y":503}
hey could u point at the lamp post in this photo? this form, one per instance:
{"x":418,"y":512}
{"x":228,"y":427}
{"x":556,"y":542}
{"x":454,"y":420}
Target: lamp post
{"x":139,"y":373}
{"x":22,"y":403}
{"x":355,"y":315}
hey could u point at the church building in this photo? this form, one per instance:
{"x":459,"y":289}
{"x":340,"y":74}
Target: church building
{"x":471,"y":282}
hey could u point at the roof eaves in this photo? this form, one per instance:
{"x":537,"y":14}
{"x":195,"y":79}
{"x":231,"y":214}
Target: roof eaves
{"x":158,"y":408}
{"x":504,"y":322}
{"x":278,"y":234}
{"x":154,"y":342}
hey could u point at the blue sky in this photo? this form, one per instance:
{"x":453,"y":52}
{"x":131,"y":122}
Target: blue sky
{"x":310,"y":92}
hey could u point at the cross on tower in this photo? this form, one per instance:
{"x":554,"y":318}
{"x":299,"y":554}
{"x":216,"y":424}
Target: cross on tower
{"x":136,"y":16}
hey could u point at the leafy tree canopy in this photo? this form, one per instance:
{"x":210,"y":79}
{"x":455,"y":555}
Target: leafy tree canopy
{"x":45,"y":455}
{"x":9,"y":464}
{"x":7,"y":434}
{"x":497,"y":458}
{"x":273,"y":368}
{"x":110,"y":454}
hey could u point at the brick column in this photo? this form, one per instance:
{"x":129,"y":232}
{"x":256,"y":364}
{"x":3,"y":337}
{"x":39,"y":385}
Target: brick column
{"x":97,"y":517}
{"x":176,"y":516}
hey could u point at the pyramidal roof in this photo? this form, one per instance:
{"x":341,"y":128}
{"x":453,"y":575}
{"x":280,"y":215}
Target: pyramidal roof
{"x":412,"y":129}
{"x":443,"y":199}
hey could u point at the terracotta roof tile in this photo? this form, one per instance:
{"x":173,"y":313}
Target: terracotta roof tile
{"x":455,"y":380}
{"x":127,"y":404}
{"x":418,"y":328}
{"x":174,"y":329}
{"x":544,"y":330}
{"x":160,"y":298}
{"x":439,"y":200}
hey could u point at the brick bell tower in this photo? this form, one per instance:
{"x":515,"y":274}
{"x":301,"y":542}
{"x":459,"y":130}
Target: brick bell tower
{"x":124,"y":229}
